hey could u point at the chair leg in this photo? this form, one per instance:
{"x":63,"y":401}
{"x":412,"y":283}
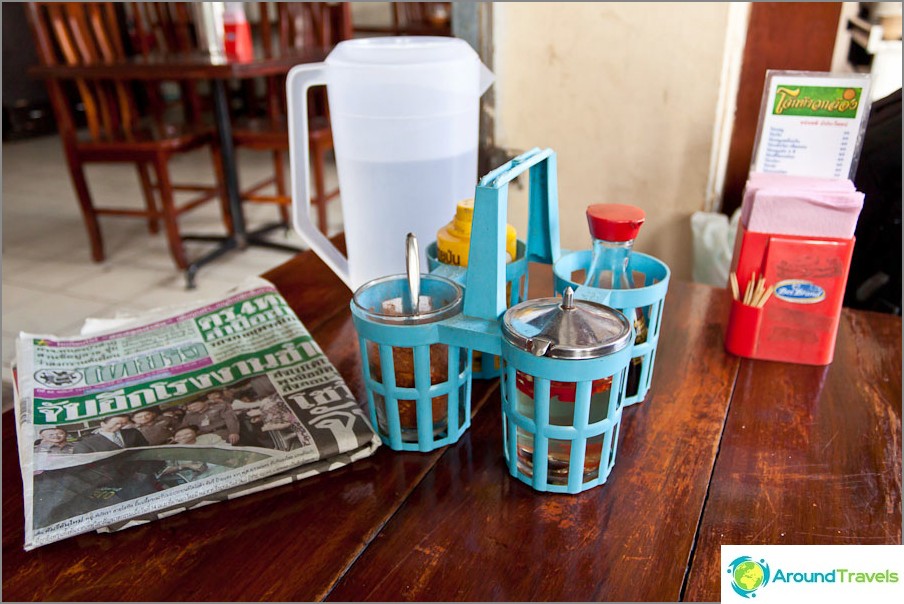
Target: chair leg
{"x":145,"y":177}
{"x":279,"y":174}
{"x":169,"y":212}
{"x":319,"y":187}
{"x":87,"y":206}
{"x":220,"y":184}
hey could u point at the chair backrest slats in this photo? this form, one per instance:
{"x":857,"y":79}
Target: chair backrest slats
{"x":166,"y":27}
{"x":63,"y":39}
{"x":106,"y":33}
{"x":66,"y":46}
{"x":141,"y":31}
{"x":266,"y":29}
{"x":105,"y":46}
{"x":115,"y":33}
{"x":301,"y":25}
{"x":47,"y":56}
{"x":83,"y":33}
{"x":183,"y":25}
{"x":422,"y":17}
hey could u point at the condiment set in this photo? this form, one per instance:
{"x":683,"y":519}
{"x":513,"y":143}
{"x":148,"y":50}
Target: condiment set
{"x":563,"y":362}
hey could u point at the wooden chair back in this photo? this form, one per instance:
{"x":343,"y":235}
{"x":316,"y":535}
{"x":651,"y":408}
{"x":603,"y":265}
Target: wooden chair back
{"x":165,"y":27}
{"x":434,"y":18}
{"x":162,"y":26}
{"x":84,"y":33}
{"x":301,"y":25}
{"x":309,"y":24}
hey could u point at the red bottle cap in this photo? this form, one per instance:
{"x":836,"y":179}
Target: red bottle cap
{"x":614,"y":221}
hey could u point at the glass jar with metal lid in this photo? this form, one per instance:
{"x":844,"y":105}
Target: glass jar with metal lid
{"x":418,"y":388}
{"x":564,"y":367}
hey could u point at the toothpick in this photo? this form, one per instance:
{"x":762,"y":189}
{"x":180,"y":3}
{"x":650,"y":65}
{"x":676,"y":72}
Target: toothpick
{"x":753,"y":281}
{"x":733,"y":279}
{"x":747,"y":292}
{"x":764,"y":297}
{"x":755,"y":297}
{"x":758,"y":291}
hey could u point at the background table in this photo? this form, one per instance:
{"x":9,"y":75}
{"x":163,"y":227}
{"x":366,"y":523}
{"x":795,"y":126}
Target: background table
{"x":723,"y":450}
{"x":200,"y":66}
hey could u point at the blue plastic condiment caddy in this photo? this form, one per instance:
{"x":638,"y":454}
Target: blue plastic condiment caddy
{"x":457,"y":323}
{"x":487,"y":367}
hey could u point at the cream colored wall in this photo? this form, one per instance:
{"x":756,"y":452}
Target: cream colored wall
{"x":626,"y":94}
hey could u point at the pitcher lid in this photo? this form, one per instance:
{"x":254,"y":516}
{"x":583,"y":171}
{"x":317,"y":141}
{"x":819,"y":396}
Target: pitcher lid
{"x":400,"y":51}
{"x":565,"y":328}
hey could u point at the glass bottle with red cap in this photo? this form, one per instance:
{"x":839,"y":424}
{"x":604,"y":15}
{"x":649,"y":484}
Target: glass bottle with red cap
{"x":614,"y":227}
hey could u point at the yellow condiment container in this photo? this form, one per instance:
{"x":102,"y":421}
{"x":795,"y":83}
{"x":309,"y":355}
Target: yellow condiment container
{"x":454,"y":240}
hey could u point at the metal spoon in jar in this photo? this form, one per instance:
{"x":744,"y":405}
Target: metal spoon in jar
{"x":410,"y":302}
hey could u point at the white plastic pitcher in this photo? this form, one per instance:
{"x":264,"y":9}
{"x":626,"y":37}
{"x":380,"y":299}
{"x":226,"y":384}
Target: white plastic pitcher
{"x":404,"y":114}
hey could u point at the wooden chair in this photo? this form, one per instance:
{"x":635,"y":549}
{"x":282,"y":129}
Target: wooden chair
{"x":422,"y":18}
{"x":77,"y":33}
{"x":300,"y":25}
{"x":166,"y":27}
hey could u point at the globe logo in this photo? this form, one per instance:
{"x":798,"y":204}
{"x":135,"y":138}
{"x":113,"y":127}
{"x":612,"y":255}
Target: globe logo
{"x":748,"y":575}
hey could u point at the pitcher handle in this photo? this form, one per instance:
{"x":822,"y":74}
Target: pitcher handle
{"x":299,"y":80}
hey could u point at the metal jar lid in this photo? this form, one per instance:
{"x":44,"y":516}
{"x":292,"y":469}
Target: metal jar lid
{"x":409,"y":299}
{"x":386,"y":300}
{"x":565,"y":328}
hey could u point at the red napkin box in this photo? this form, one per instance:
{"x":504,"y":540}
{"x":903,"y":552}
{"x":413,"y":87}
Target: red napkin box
{"x":799,"y":322}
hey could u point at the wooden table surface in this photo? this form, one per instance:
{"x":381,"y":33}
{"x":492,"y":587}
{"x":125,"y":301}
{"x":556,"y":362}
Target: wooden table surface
{"x":183,"y":66}
{"x":723,"y":450}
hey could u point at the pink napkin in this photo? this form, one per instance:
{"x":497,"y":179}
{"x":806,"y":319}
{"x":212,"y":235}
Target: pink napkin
{"x":804,"y":206}
{"x":767,"y":179}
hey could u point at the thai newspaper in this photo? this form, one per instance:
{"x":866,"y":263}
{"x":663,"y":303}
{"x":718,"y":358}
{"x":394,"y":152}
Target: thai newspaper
{"x":175,"y":410}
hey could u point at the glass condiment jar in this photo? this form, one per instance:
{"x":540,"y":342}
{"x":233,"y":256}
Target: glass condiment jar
{"x":614,"y":227}
{"x":412,"y":302}
{"x":576,"y":337}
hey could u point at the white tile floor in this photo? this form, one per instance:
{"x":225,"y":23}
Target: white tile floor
{"x":50,"y":284}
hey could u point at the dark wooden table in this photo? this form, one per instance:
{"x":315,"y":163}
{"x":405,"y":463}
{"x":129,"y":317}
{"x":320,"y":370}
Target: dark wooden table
{"x":217,"y":70}
{"x":723,"y":450}
{"x":182,"y":66}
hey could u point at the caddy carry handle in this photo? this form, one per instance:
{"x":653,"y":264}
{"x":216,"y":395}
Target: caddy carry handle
{"x":486,"y":263}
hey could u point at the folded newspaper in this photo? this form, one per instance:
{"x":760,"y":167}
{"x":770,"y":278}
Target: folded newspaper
{"x":174,"y":410}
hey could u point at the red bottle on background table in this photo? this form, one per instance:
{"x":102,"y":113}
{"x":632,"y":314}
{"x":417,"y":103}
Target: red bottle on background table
{"x":236,"y":33}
